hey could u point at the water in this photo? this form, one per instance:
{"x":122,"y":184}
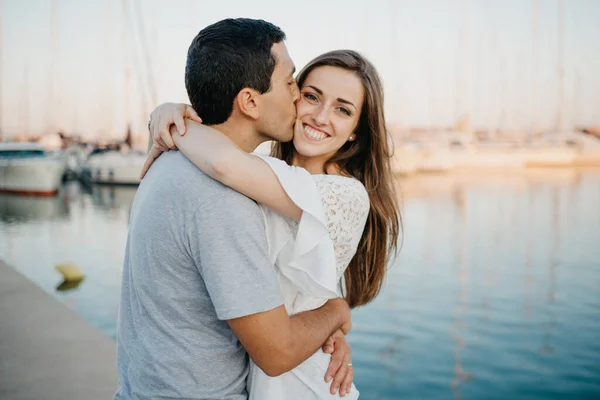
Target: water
{"x":495,"y":295}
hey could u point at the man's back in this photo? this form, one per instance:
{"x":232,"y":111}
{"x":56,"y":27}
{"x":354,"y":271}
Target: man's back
{"x":196,"y":256}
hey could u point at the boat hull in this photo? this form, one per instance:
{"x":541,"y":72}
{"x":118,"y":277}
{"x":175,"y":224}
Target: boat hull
{"x":114,"y":168}
{"x":31,"y":176}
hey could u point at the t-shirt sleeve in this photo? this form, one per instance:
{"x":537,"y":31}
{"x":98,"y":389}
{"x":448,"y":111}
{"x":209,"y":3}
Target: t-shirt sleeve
{"x":229,"y":246}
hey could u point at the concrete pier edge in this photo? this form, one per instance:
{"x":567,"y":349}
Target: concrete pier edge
{"x":46,"y":350}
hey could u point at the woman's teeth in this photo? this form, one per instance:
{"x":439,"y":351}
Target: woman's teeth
{"x":314,"y":134}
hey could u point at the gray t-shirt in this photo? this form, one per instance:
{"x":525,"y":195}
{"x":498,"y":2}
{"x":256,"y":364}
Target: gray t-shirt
{"x":196,"y":256}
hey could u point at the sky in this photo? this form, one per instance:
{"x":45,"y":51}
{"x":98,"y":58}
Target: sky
{"x":93,"y":66}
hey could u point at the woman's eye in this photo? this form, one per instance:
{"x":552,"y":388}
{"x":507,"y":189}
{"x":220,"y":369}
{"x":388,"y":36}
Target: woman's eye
{"x":345,"y":111}
{"x":310,"y":97}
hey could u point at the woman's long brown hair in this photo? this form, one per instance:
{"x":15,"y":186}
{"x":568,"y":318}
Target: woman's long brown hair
{"x":368,"y":159}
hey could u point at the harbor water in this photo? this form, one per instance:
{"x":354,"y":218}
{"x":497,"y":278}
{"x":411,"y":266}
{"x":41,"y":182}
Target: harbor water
{"x":494,"y":295}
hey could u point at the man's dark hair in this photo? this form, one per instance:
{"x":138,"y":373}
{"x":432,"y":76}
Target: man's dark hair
{"x":226,"y":57}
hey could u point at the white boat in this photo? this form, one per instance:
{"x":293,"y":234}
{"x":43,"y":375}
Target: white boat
{"x":26,"y":168}
{"x":436,"y":160}
{"x":405,"y":159}
{"x":115,"y":167}
{"x":481,"y":157}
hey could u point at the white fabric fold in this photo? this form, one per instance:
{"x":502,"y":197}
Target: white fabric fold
{"x":308,"y":261}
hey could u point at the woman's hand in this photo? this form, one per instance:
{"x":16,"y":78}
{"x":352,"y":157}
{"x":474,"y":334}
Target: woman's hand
{"x":152,"y":155}
{"x":340,"y":366}
{"x":163,"y":117}
{"x":161,"y":120}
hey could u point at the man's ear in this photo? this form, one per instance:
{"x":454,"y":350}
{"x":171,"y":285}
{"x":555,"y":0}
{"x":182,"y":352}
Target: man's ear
{"x":248,"y":102}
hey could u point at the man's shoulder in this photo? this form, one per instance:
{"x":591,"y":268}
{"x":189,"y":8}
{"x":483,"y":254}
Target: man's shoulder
{"x":181,"y":172}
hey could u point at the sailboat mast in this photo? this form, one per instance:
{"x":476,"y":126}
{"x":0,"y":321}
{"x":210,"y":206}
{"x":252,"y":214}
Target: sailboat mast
{"x":125,"y":41}
{"x":25,"y":109}
{"x":1,"y":75}
{"x":146,"y":56}
{"x":52,"y":108}
{"x":560,"y":67}
{"x":461,"y":106}
{"x":534,"y":68}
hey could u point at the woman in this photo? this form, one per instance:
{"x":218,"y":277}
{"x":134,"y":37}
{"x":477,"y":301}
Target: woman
{"x":333,"y":183}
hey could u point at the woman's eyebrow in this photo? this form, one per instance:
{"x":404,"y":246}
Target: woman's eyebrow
{"x":316,"y":89}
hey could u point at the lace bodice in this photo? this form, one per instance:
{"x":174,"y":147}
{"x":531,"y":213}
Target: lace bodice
{"x":346,"y":207}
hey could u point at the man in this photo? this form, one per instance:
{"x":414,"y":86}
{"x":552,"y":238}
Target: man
{"x":198,"y":289}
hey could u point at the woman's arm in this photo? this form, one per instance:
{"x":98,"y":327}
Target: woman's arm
{"x":217,"y":156}
{"x":162,"y":117}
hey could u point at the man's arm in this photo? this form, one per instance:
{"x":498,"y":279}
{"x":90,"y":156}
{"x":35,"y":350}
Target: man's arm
{"x":278,"y":343}
{"x":229,"y":244}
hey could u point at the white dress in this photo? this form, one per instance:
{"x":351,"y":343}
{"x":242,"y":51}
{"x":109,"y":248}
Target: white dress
{"x":311,"y":256}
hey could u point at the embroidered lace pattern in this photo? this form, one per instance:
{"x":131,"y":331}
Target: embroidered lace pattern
{"x":346,"y":206}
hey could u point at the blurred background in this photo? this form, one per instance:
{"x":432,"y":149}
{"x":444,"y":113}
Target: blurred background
{"x":494,"y":107}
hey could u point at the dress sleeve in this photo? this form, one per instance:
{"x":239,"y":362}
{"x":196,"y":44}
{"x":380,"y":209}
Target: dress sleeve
{"x":309,"y":260}
{"x":346,"y":206}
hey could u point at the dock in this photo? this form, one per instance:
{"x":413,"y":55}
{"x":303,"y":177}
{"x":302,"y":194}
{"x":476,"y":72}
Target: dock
{"x":46,"y":350}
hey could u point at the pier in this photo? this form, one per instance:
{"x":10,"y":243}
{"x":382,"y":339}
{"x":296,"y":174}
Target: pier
{"x":47,"y":351}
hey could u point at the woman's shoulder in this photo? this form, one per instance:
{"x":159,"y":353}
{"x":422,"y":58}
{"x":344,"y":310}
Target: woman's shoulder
{"x":343,"y":189}
{"x":341,"y":182}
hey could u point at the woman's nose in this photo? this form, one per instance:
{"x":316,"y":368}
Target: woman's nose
{"x":322,"y":116}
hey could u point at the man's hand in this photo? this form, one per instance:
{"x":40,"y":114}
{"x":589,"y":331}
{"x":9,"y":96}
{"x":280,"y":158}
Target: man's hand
{"x":340,"y":367}
{"x":163,"y":117}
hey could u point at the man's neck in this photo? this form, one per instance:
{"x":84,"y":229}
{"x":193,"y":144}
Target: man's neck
{"x":243,"y":135}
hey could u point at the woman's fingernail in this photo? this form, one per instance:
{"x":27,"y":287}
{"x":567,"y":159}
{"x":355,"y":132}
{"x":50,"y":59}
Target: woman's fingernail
{"x":327,"y":379}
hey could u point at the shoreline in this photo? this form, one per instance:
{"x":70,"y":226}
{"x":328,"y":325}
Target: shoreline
{"x":409,"y":162}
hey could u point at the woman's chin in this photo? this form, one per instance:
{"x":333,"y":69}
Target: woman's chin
{"x":306,"y":150}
